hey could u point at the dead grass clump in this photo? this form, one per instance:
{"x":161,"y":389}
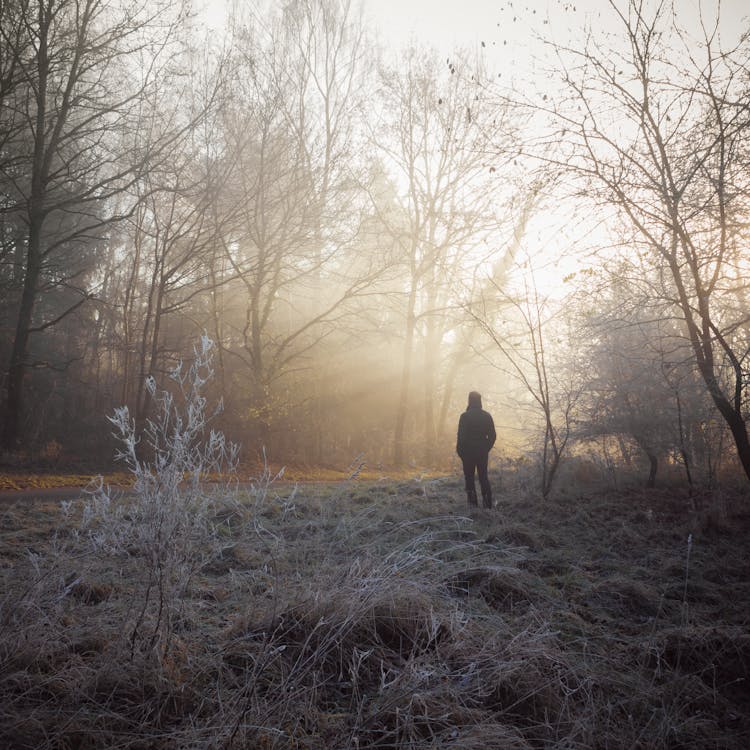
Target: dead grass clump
{"x":501,"y":588}
{"x":536,"y":687}
{"x":624,"y":598}
{"x":388,"y":624}
{"x":484,"y":735}
{"x":68,"y":679}
{"x":349,"y":662}
{"x":394,"y":661}
{"x":89,"y":644}
{"x":91,"y":593}
{"x":232,"y":556}
{"x":719,"y":655}
{"x":102,"y":697}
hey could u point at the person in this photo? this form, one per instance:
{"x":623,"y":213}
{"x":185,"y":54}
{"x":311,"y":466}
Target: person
{"x":476,"y":436}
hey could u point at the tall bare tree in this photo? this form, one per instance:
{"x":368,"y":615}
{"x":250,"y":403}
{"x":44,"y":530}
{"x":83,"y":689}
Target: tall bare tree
{"x":76,"y":70}
{"x":659,"y":128}
{"x":435,"y":134}
{"x":293,"y":192}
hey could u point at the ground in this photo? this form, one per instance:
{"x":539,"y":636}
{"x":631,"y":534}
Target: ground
{"x":379,"y":614}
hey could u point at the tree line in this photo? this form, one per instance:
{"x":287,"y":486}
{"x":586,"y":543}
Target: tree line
{"x":353,"y":228}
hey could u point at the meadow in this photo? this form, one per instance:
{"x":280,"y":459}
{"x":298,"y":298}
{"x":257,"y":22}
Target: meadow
{"x":382,"y":614}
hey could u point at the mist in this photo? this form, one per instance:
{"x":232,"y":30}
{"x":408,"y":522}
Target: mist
{"x":280,"y":281}
{"x":369,"y":227}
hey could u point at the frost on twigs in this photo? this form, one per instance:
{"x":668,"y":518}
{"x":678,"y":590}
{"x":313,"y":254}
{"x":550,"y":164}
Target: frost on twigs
{"x":181,"y":447}
{"x":171,"y":520}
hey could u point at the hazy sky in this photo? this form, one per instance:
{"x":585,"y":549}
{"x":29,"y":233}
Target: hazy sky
{"x":508,"y":28}
{"x":468,"y":22}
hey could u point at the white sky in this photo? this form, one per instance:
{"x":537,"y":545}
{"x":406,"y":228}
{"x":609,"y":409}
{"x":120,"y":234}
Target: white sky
{"x":508,"y":28}
{"x":468,"y":22}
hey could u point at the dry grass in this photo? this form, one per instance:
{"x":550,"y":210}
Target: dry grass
{"x":10,"y":481}
{"x":379,"y":615}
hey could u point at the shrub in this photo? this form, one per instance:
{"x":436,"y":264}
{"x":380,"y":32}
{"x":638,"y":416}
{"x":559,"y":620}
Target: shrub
{"x":171,"y":522}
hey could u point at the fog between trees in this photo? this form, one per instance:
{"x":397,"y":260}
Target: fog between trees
{"x":356,"y":229}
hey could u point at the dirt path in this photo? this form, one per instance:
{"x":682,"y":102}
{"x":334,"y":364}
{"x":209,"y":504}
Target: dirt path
{"x":53,"y":494}
{"x":58,"y":494}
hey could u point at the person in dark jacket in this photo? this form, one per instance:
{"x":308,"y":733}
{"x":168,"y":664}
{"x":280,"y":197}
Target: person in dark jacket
{"x":476,"y":436}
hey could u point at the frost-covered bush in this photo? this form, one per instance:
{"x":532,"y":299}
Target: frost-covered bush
{"x":171,"y":521}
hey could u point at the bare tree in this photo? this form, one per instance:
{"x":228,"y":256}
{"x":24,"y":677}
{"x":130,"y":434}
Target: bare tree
{"x":70,"y":109}
{"x":435,"y":133}
{"x":519,"y":324}
{"x":660,"y":131}
{"x":292,"y":195}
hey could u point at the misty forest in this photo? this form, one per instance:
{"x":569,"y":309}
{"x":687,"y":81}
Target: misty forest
{"x":253,"y":258}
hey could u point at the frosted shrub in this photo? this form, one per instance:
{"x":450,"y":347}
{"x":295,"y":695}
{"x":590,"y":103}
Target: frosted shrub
{"x":171,"y":520}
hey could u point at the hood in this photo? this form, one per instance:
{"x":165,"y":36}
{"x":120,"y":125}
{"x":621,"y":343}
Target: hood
{"x":475,"y":400}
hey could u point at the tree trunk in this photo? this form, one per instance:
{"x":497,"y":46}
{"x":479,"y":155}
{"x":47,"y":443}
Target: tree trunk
{"x":128,"y":324}
{"x":432,"y":348}
{"x":738,"y":428}
{"x":450,"y":382}
{"x":403,"y":400}
{"x":731,"y":416}
{"x":144,"y":402}
{"x":40,"y":169}
{"x":14,"y":403}
{"x":702,"y":341}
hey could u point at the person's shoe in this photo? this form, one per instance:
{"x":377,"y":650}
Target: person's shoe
{"x":471,"y":496}
{"x":487,"y":500}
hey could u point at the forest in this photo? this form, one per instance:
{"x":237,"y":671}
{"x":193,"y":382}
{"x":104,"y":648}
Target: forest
{"x":366,"y":234}
{"x":253,"y":258}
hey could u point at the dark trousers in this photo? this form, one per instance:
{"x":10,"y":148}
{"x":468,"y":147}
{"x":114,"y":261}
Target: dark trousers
{"x":478,"y":463}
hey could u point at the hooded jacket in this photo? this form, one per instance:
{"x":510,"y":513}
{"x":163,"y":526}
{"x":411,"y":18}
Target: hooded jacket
{"x":476,"y":430}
